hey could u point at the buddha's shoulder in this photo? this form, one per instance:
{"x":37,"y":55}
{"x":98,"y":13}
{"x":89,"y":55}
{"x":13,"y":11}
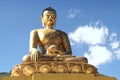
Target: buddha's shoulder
{"x":37,"y":30}
{"x":49,"y":30}
{"x":62,"y":32}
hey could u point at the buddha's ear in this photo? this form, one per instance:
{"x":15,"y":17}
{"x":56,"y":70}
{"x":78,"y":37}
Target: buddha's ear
{"x":42,"y":20}
{"x":41,"y":17}
{"x":55,"y":18}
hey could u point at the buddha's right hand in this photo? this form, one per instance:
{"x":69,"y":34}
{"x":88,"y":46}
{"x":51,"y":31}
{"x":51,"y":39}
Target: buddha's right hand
{"x":34,"y":54}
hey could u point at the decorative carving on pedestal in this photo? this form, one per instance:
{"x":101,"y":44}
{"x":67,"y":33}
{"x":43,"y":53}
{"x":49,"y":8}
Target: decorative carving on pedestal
{"x":55,"y":65}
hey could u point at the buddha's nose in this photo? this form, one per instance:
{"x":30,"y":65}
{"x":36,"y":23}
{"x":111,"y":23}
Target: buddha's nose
{"x":50,"y":17}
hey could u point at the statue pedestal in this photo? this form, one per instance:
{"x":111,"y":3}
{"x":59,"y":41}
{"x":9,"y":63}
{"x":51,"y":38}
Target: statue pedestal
{"x":59,"y":76}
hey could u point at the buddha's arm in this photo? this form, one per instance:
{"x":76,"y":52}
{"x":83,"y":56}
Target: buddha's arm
{"x":33,"y":39}
{"x":66,"y":44}
{"x":33,"y":45}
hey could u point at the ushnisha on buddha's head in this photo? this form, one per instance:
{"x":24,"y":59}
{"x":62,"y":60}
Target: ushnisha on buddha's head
{"x":48,"y":17}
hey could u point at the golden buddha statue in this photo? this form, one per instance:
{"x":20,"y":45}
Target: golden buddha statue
{"x":55,"y":55}
{"x":52,"y":42}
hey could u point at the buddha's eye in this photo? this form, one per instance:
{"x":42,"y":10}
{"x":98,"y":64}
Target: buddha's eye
{"x":48,"y":16}
{"x":53,"y":16}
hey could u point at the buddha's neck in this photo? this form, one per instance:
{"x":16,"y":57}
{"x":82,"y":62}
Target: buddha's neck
{"x":48,"y":27}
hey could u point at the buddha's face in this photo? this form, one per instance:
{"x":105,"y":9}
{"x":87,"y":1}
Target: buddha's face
{"x":48,"y":18}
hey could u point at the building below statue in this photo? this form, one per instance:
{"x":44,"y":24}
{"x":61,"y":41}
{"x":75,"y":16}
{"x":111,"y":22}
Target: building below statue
{"x":59,"y":76}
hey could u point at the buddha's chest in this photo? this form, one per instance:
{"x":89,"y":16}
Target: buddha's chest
{"x":53,"y":37}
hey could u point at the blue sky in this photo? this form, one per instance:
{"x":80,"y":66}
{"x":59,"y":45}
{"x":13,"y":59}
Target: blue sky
{"x":92,"y":26}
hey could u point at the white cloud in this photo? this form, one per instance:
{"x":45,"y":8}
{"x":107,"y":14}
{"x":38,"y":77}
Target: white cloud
{"x":115,"y":44}
{"x":73,"y":12}
{"x":117,"y":53}
{"x":89,"y":34}
{"x":113,"y":37}
{"x":102,"y":46}
{"x":98,"y":55}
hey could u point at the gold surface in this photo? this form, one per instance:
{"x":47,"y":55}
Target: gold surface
{"x":29,"y":69}
{"x":16,"y":78}
{"x":60,"y":76}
